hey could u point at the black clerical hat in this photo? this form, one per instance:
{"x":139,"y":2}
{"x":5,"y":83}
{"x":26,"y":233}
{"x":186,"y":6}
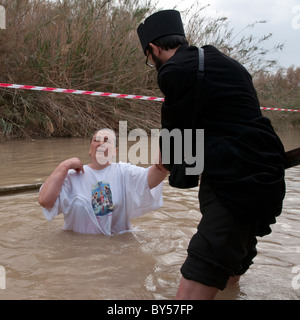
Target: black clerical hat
{"x":160,"y":24}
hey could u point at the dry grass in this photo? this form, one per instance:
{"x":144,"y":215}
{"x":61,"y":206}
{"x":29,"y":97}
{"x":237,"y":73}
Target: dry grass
{"x":280,"y":90}
{"x":92,"y":45}
{"x":86,"y":45}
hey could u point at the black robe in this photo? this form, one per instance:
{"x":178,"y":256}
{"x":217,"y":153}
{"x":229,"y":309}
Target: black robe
{"x":244,"y":159}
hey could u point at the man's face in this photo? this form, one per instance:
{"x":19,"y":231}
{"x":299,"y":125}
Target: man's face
{"x":103,"y":147}
{"x":155,"y":60}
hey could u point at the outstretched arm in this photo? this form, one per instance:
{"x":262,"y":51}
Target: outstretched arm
{"x":52,"y":186}
{"x":156,"y":174}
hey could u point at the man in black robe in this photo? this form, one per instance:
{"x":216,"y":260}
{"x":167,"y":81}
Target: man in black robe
{"x":242,"y":185}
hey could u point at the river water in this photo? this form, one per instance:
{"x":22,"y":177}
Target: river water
{"x":44,"y":262}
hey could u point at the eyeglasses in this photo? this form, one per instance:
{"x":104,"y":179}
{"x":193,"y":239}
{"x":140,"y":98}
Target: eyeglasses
{"x":148,"y":63}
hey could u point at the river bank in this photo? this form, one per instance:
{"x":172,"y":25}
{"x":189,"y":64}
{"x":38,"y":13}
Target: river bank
{"x":93,"y":45}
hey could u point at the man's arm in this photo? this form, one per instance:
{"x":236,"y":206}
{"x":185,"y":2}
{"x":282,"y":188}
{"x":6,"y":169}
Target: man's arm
{"x":52,"y":186}
{"x":156,"y":174}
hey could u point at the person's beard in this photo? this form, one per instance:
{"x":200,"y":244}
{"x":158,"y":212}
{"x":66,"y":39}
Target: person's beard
{"x":158,"y":62}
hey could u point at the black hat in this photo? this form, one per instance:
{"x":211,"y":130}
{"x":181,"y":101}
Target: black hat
{"x":160,"y":24}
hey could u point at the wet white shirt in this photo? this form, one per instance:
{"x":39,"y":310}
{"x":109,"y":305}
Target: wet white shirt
{"x":104,"y":201}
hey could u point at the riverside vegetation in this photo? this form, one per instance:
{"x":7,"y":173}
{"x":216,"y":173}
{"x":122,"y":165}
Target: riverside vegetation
{"x":92,"y":45}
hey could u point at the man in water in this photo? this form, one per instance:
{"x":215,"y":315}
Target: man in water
{"x":102,"y":196}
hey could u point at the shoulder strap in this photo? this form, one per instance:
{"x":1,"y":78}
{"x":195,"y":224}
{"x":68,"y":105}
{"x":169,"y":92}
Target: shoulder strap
{"x":200,"y":77}
{"x":201,"y":60}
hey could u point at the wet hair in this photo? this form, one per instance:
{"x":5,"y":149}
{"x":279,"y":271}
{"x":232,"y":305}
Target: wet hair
{"x":170,"y":41}
{"x":105,"y":129}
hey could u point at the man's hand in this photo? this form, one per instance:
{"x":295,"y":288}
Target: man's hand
{"x":73,"y":163}
{"x":157,"y":173}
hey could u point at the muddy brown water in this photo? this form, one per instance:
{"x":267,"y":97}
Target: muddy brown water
{"x":44,"y":262}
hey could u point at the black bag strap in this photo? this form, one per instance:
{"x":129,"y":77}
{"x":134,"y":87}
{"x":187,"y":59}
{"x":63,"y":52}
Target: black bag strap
{"x":198,"y":89}
{"x":201,"y":61}
{"x":200,"y":77}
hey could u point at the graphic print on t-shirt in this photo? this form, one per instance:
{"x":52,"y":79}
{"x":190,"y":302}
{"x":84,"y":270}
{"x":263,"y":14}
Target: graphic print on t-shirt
{"x":102,"y":199}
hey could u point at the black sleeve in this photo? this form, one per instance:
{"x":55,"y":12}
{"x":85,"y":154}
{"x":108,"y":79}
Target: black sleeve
{"x":178,"y":86}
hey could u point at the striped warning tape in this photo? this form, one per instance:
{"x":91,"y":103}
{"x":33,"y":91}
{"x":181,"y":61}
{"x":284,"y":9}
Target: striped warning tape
{"x":105,"y":94}
{"x":91,"y":93}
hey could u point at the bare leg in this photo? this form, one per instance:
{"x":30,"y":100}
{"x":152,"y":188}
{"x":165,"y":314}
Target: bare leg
{"x":192,"y":290}
{"x":233,"y":280}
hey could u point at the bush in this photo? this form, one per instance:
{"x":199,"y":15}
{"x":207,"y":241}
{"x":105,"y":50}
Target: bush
{"x":93,"y":45}
{"x":86,"y":45}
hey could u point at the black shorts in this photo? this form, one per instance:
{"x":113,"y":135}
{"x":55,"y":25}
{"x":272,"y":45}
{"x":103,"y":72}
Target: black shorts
{"x":223,"y":245}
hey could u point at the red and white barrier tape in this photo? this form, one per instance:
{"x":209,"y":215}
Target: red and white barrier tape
{"x":104,"y":94}
{"x":279,"y":109}
{"x":90,"y":93}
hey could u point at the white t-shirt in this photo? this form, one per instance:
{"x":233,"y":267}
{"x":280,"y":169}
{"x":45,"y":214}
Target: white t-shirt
{"x":104,"y":201}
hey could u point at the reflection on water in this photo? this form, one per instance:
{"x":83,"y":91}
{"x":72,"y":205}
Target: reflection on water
{"x":44,"y":262}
